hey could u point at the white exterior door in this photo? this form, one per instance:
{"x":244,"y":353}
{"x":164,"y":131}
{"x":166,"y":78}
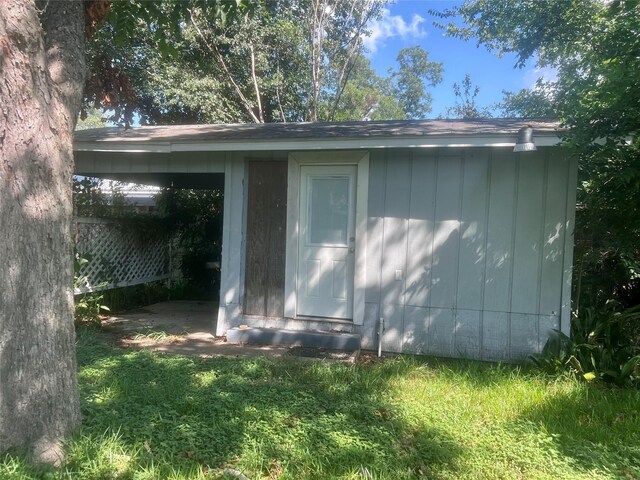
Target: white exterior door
{"x":326,"y":243}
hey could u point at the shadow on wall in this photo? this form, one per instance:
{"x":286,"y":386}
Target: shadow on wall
{"x":465,"y":252}
{"x":481,"y":287}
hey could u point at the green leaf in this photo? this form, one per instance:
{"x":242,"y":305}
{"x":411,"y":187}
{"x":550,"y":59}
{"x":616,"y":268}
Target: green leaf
{"x":629,"y":367}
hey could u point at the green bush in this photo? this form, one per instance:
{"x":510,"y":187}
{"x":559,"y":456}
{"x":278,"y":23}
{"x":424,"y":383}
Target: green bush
{"x":196,"y":215}
{"x":602,"y":346}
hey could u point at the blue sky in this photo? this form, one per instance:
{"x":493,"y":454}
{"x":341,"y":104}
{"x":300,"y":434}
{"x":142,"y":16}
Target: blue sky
{"x":406,"y":23}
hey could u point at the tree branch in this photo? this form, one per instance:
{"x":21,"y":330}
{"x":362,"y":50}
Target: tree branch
{"x":218,"y":56}
{"x":352,"y":45}
{"x":255,"y":81}
{"x":282,"y":115}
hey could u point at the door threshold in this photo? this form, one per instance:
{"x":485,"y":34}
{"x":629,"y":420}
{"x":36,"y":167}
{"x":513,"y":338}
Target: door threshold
{"x":341,"y":321}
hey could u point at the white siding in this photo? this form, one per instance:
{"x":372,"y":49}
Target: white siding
{"x":105,"y":163}
{"x":473,"y":232}
{"x":446,"y":236}
{"x":396,"y":224}
{"x":500,"y":233}
{"x":468,"y":250}
{"x":420,"y":234}
{"x":231,"y":269}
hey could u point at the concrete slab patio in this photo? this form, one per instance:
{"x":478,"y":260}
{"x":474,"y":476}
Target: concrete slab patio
{"x":175,"y":317}
{"x":181,"y":327}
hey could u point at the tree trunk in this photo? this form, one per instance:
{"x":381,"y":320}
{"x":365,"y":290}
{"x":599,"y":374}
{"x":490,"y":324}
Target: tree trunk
{"x":42,"y":73}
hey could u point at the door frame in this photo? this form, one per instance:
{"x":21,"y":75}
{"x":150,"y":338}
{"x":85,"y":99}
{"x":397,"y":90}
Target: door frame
{"x":352,"y":157}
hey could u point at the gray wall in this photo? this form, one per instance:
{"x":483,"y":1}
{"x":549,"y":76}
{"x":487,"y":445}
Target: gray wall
{"x":469,"y":251}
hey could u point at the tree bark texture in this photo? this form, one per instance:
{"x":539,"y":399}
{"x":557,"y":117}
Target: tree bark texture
{"x":41,"y":78}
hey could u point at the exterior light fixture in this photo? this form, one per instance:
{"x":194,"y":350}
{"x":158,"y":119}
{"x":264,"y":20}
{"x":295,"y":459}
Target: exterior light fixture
{"x":525,"y":140}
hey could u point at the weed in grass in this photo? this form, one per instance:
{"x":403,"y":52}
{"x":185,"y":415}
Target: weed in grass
{"x":152,"y":335}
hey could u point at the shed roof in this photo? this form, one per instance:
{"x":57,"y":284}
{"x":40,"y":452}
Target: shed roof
{"x":295,"y":135}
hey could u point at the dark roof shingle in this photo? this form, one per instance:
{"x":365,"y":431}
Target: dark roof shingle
{"x":318,"y":130}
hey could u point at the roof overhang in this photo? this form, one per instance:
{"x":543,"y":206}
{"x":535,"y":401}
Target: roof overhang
{"x":316,"y":136}
{"x":310,"y":144}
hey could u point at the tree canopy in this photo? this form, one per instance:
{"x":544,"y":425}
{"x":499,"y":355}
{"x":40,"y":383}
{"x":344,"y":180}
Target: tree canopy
{"x":281,"y":61}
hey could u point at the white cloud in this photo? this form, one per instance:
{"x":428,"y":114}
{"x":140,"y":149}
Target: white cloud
{"x":531,"y":76}
{"x":389,"y":26}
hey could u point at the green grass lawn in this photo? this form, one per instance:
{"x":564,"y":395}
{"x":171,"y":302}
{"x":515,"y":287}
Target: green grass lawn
{"x":162,"y":417}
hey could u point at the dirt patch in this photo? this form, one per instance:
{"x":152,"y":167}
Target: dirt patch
{"x":186,"y":328}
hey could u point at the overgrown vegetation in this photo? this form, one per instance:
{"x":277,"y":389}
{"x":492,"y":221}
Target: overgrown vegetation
{"x":149,"y":416}
{"x":603,"y":345}
{"x":196,"y":217}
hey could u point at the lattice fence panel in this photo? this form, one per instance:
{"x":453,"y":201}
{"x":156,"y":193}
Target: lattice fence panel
{"x":117,"y":257}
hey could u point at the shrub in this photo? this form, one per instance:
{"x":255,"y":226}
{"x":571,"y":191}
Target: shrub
{"x":602,"y":346}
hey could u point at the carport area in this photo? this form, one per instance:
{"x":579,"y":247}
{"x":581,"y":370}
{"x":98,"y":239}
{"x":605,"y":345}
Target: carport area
{"x":155,"y":165}
{"x":157,"y":161}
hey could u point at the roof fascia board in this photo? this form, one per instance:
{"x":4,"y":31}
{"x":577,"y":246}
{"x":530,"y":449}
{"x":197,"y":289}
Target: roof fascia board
{"x":128,"y":147}
{"x":457,"y":141}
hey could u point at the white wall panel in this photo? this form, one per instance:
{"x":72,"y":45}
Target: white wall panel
{"x":497,"y":291}
{"x":466,"y":251}
{"x":393,"y":336}
{"x":375,"y":224}
{"x":467,"y":334}
{"x":523,"y":335}
{"x":546,"y":325}
{"x":441,"y":328}
{"x":369,"y":330}
{"x":495,"y":336}
{"x":553,"y":236}
{"x":446,"y":235}
{"x":232,"y":243}
{"x":473,"y":231}
{"x":396,"y":222}
{"x":527,"y":249}
{"x":570,"y":216}
{"x":420,"y":234}
{"x":416,"y":329}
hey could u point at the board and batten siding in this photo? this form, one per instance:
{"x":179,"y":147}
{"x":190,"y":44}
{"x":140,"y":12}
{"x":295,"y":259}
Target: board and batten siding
{"x":469,"y":250}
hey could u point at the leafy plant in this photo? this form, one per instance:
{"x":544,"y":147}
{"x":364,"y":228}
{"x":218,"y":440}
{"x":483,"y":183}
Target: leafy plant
{"x":88,"y":305}
{"x":599,"y":348}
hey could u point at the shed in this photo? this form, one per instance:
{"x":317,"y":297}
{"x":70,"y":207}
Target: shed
{"x":436,"y":228}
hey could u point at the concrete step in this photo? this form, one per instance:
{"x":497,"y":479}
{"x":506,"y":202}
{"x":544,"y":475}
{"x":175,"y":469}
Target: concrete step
{"x":349,"y":342}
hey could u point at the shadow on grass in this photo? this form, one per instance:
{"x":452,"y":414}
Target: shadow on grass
{"x":595,"y":425}
{"x":263,"y":417}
